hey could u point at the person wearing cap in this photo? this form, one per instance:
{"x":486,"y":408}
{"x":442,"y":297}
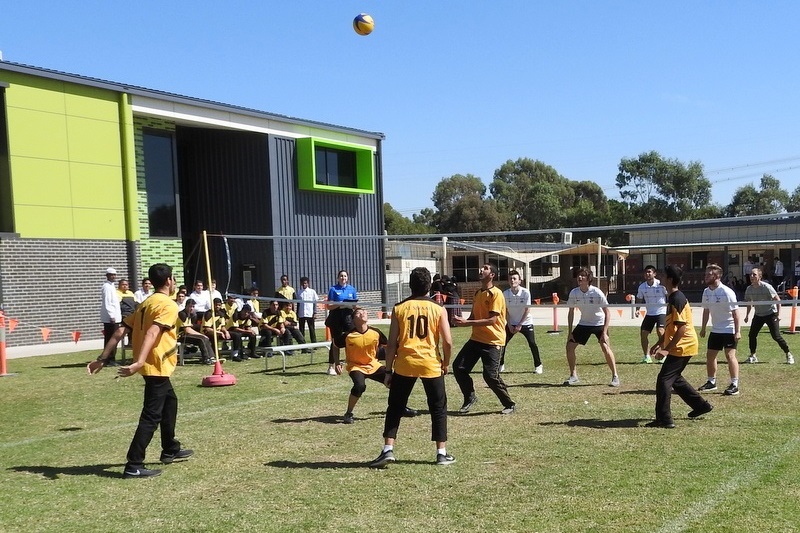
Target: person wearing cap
{"x":110,"y":313}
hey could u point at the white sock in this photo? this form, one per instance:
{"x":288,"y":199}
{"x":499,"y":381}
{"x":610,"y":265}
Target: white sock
{"x":712,"y":379}
{"x":388,"y":448}
{"x":735,"y":382}
{"x":441,"y":451}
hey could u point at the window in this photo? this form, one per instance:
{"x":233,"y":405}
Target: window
{"x":652,"y":259}
{"x":502,"y":266}
{"x":160,"y":174}
{"x":699,"y":260}
{"x":466,"y":267}
{"x":334,"y":167}
{"x":6,"y":203}
{"x":328,"y":166}
{"x":542,"y":267}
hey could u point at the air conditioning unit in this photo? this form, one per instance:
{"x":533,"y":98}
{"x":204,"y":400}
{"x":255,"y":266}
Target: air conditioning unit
{"x":567,"y":237}
{"x":555,"y":258}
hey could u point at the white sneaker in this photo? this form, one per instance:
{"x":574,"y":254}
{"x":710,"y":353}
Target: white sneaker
{"x":572,"y":380}
{"x":331,"y":371}
{"x":614,"y":381}
{"x":538,"y":370}
{"x":789,"y":358}
{"x":502,"y":368}
{"x":753,"y":359}
{"x":646,"y":359}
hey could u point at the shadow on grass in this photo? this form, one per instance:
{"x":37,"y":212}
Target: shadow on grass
{"x":67,"y":365}
{"x":596,"y":423}
{"x":56,"y":472}
{"x":327,"y":419}
{"x":650,"y":392}
{"x":318,"y":465}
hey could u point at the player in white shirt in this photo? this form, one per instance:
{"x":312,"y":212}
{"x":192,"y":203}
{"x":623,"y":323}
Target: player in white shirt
{"x":307,"y":309}
{"x":719,"y":303}
{"x":519,"y":320}
{"x":595,"y":318}
{"x":654,"y":296}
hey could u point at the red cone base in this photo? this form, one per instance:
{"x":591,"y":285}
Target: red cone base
{"x":219,"y":378}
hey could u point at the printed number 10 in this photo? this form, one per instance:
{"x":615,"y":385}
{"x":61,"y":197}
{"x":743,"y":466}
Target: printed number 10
{"x":418,"y":326}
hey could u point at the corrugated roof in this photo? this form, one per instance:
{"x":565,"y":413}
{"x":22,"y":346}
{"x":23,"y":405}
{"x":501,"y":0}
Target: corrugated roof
{"x":173,"y":97}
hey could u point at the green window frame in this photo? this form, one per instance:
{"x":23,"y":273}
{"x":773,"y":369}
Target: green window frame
{"x":336,"y":167}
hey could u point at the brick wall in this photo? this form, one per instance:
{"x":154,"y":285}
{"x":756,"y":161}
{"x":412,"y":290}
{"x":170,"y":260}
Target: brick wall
{"x":56,"y":284}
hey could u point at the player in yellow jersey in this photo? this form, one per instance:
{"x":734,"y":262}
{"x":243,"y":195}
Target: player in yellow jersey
{"x":419,"y":327}
{"x":488,"y":322}
{"x":362,"y":347}
{"x":152,"y":328}
{"x":678,"y":345}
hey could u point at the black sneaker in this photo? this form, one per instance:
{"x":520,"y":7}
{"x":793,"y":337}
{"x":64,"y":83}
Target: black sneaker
{"x":348,"y":418}
{"x":383,"y":459}
{"x":410,"y":413}
{"x":443,"y":460}
{"x":660,"y":424}
{"x":732,"y":390}
{"x":167,"y":458}
{"x":701,"y":411}
{"x":707,"y":386}
{"x":468,"y":403}
{"x":129,"y":473}
{"x":111,"y":362}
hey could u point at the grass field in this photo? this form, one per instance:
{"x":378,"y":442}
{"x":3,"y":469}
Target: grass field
{"x":272,"y":455}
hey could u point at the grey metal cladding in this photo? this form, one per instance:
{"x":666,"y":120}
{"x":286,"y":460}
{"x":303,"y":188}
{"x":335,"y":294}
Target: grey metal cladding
{"x":308,"y":213}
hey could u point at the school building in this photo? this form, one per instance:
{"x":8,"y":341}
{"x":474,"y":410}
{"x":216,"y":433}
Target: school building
{"x":97,"y":174}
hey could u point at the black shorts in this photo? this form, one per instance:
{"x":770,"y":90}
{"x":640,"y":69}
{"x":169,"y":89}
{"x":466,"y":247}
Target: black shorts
{"x":581,"y":334}
{"x":719,"y":341}
{"x":653,"y":320}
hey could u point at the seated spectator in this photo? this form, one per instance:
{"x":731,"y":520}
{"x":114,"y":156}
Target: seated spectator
{"x":239,"y":326}
{"x":145,"y":291}
{"x":215,"y":320}
{"x":202,"y":303}
{"x":180,"y":299}
{"x":253,"y":302}
{"x":213,"y":292}
{"x":291,"y":323}
{"x":271,"y":326}
{"x":187,"y":333}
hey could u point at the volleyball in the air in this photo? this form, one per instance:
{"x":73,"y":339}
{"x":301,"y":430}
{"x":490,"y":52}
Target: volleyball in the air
{"x":363,"y":24}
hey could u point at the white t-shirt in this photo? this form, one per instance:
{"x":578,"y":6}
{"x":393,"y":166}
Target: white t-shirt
{"x":590,"y":304}
{"x":516,"y":304}
{"x":109,"y":309}
{"x":720,"y":302}
{"x":778,"y":267}
{"x":308,"y":308}
{"x":654,"y":296}
{"x":201,"y":301}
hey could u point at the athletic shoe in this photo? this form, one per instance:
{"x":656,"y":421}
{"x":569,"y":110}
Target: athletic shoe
{"x":348,"y":418}
{"x":443,"y":460}
{"x":661,"y":361}
{"x":383,"y":459}
{"x":331,"y":371}
{"x":129,"y":473}
{"x":410,"y":413}
{"x":732,"y":390}
{"x":468,"y":403}
{"x":167,"y":458}
{"x":752,"y":359}
{"x":701,"y":411}
{"x":508,"y":410}
{"x":573,"y":380}
{"x":538,"y":370}
{"x":707,"y":386}
{"x":235,"y":356}
{"x":647,"y":359}
{"x":502,"y":368}
{"x":660,"y":424}
{"x":614,"y":382}
{"x":789,"y":358}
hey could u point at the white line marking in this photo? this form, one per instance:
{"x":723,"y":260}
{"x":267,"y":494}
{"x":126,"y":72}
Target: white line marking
{"x":726,"y":488}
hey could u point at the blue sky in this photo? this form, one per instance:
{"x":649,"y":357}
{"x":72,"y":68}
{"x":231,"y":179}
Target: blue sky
{"x":461,"y":87}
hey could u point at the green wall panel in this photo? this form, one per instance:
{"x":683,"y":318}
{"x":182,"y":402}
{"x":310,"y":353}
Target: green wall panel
{"x":91,"y":102}
{"x":40,"y":221}
{"x":95,"y":141}
{"x":99,"y":223}
{"x":29,"y":92}
{"x":34,"y":133}
{"x":53,"y":173}
{"x":95,"y":186}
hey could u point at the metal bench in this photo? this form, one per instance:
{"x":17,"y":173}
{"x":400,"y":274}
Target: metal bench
{"x":269,"y":351}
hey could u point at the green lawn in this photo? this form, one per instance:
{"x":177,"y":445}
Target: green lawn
{"x":272,"y":455}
